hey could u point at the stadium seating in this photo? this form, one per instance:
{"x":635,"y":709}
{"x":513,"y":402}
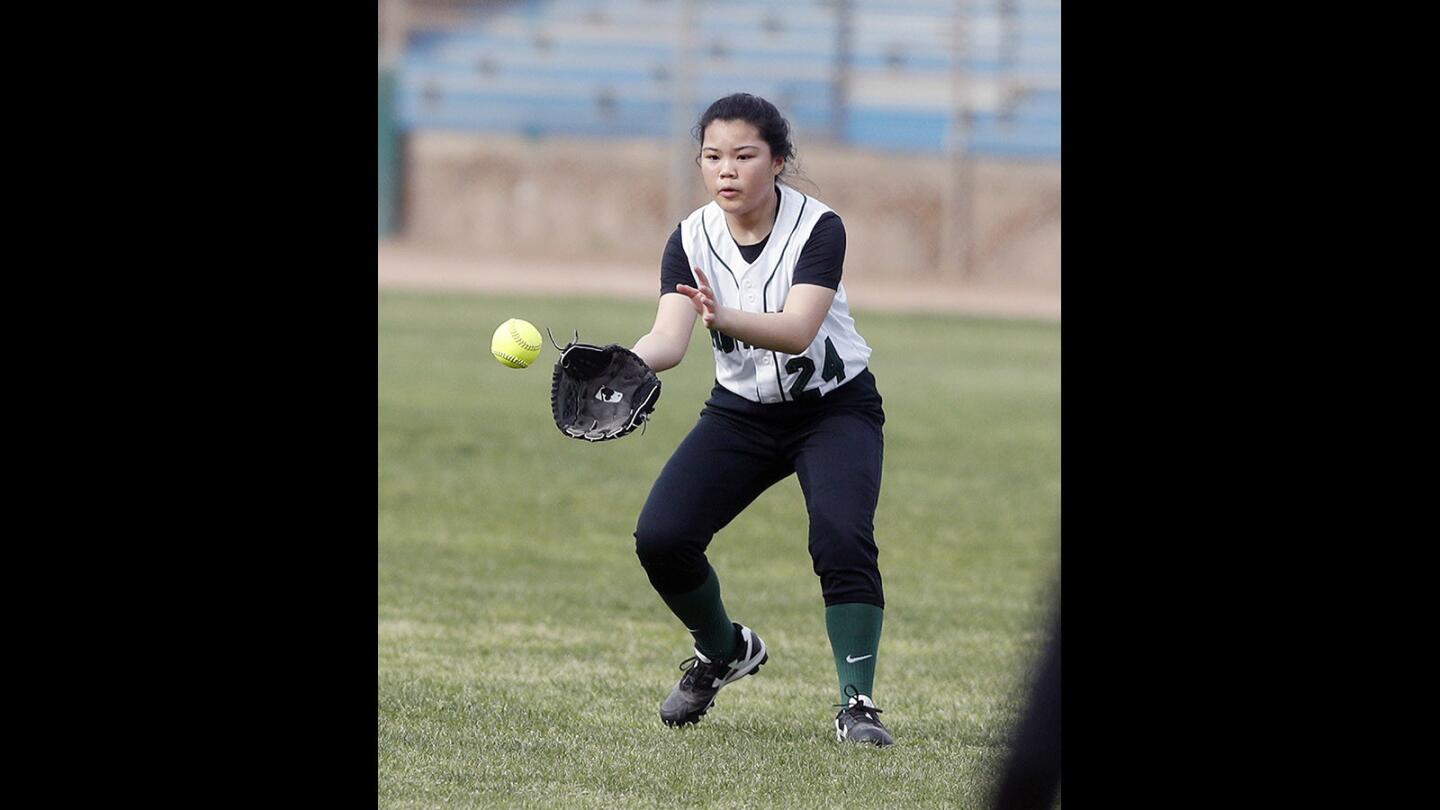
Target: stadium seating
{"x":881,"y":74}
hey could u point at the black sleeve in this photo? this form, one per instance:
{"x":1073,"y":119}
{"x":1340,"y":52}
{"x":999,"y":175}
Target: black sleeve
{"x":823,"y":257}
{"x":674,"y":267}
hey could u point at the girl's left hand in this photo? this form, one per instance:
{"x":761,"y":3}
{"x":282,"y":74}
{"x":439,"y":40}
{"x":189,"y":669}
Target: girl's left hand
{"x":703,"y":298}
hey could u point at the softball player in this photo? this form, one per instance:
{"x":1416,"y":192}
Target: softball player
{"x":761,"y":265}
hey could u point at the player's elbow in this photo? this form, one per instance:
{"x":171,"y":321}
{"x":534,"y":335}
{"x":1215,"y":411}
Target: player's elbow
{"x":796,"y":346}
{"x":805,"y":313}
{"x":659,"y":364}
{"x":800,"y":338}
{"x":675,"y":349}
{"x":662,"y":351}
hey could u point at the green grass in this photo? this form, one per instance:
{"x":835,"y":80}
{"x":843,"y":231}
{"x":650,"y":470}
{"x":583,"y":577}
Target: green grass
{"x":522,"y":653}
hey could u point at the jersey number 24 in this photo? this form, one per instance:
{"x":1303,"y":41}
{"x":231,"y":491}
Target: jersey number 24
{"x":834,"y":369}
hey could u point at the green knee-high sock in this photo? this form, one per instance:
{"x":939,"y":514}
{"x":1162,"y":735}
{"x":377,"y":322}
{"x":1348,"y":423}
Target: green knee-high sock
{"x":854,"y":630}
{"x":704,"y":616}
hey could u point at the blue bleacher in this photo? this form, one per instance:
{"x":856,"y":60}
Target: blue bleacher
{"x":607,"y":69}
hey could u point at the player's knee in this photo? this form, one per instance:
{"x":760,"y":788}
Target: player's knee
{"x":846,"y":560}
{"x":836,"y":540}
{"x":660,"y":546}
{"x":673,"y":561}
{"x":846,"y":585}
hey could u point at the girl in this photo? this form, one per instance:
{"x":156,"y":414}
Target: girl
{"x":761,"y":265}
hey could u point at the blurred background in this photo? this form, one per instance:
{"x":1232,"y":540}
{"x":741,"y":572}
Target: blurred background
{"x":534,"y":157}
{"x":552,"y":139}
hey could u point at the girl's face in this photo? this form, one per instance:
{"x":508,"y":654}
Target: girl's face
{"x":738,"y":167}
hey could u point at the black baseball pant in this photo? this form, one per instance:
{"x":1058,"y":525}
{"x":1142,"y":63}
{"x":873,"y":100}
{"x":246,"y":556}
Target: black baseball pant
{"x":740,"y":448}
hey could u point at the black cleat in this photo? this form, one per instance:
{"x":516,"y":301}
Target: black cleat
{"x":695,"y":693}
{"x":859,"y":722}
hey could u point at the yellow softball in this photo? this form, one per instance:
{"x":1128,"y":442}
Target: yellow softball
{"x":516,"y":343}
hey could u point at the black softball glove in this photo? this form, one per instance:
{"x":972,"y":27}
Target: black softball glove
{"x":601,"y":392}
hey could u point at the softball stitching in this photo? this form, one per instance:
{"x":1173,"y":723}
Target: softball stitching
{"x":512,"y":358}
{"x":515,"y":336}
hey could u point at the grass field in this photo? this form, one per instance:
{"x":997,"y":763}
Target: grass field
{"x":522,"y":653}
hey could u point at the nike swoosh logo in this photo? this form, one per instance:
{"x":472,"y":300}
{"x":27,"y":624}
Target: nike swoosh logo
{"x":850,"y":660}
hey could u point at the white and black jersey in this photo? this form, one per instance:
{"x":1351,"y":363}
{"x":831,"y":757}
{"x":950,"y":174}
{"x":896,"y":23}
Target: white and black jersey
{"x":805,"y":246}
